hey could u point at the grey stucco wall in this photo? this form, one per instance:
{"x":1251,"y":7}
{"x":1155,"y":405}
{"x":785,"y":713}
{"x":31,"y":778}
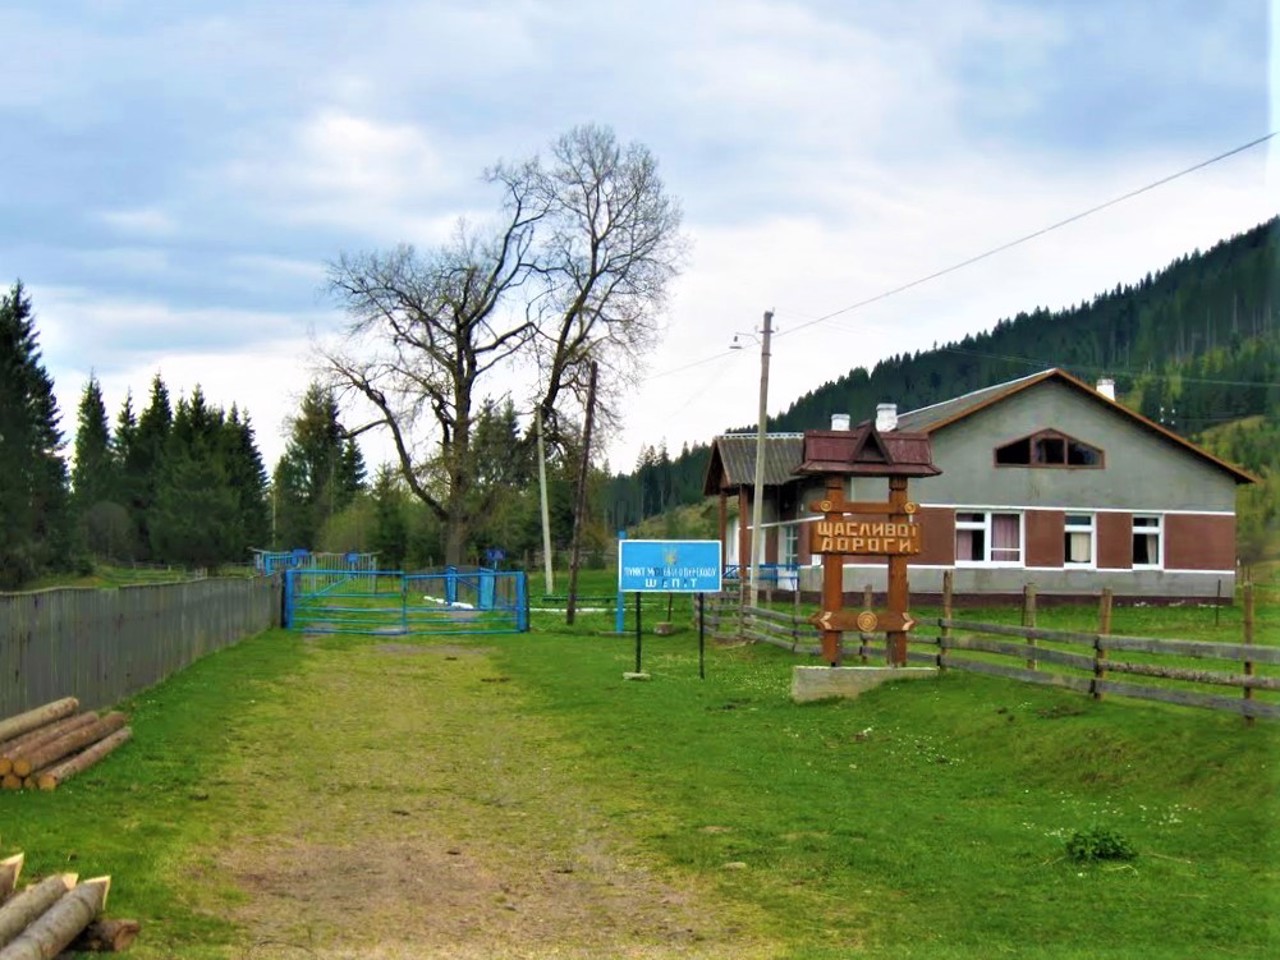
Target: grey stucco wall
{"x":1144,"y":472}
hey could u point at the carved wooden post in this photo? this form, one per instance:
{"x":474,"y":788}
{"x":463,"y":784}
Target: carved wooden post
{"x":897,"y":646}
{"x":833,"y":583}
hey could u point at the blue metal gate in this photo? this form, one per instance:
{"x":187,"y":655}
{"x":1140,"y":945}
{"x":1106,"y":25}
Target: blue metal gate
{"x":392,"y":603}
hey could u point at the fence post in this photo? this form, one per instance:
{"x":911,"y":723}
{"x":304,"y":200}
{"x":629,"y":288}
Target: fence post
{"x":1248,"y":639}
{"x":868,"y":601}
{"x":945,"y":634}
{"x":1029,"y":620}
{"x":1099,"y":644}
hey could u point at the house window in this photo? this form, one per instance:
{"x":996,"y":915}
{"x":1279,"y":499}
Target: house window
{"x":1048,"y":448}
{"x":988,"y":537}
{"x":1148,"y":536}
{"x":790,"y":552}
{"x":789,"y":556}
{"x":1079,"y":539}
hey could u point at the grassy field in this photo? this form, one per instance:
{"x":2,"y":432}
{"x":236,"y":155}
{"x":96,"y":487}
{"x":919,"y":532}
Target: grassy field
{"x":514,"y":796}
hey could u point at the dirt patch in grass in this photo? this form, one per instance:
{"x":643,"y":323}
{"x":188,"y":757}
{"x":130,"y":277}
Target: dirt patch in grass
{"x":418,"y":898}
{"x":433,"y":816}
{"x":446,"y":650}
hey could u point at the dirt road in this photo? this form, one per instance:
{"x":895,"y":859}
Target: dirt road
{"x":401,"y":801}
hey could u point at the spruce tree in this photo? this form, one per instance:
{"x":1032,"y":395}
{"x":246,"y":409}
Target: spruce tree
{"x":390,"y":531}
{"x":195,"y":518}
{"x":123,"y":446}
{"x":102,"y":522}
{"x":247,"y":478}
{"x":320,"y":472}
{"x":145,"y":461}
{"x":35,"y":521}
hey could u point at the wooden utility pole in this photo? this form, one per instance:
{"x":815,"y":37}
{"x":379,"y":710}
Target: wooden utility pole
{"x":547,"y":560}
{"x":580,"y":508}
{"x":757,"y":490}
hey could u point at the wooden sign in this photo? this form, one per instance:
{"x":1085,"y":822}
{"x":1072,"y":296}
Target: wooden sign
{"x":838,"y":504}
{"x":865,"y":538}
{"x":863,"y":621}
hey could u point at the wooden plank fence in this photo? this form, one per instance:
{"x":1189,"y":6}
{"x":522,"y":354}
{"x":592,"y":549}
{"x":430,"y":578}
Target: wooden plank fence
{"x":1166,"y":670}
{"x":101,"y":645}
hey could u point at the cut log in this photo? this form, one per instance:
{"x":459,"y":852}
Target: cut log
{"x":47,"y":754}
{"x":38,"y":717}
{"x":46,"y":937}
{"x":10,"y":867}
{"x":21,"y":911}
{"x":10,"y":782}
{"x":104,"y":936}
{"x":49,"y":778}
{"x":51,"y":731}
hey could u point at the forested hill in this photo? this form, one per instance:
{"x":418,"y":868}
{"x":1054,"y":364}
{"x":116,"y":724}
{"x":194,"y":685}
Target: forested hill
{"x":1194,"y":346}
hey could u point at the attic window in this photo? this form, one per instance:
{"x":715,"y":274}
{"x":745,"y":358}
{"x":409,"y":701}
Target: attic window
{"x":1048,"y":448}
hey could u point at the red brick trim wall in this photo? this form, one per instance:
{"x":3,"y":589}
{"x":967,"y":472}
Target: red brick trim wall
{"x":1115,"y":541}
{"x":1045,"y":545}
{"x":938,"y":537}
{"x":1199,"y":542}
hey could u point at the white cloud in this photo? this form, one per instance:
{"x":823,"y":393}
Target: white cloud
{"x":378,"y":179}
{"x":824,"y":152}
{"x":140,"y":222}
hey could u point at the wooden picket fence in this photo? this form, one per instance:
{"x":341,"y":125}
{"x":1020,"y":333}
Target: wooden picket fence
{"x":1190,"y":673}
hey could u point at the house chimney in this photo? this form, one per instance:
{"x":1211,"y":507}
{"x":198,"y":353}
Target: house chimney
{"x":839,"y":421}
{"x":1107,"y":387}
{"x":886,"y":417}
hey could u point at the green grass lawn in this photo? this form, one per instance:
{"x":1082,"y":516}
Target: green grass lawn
{"x":929,"y":819}
{"x":921,"y":820}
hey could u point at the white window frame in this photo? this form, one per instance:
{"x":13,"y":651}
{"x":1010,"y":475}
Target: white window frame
{"x":986,"y":526}
{"x":1090,"y":527}
{"x":1156,"y":530}
{"x":789,"y":547}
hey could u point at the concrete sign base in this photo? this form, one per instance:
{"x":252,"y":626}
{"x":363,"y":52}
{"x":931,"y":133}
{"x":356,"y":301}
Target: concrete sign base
{"x":824,"y":683}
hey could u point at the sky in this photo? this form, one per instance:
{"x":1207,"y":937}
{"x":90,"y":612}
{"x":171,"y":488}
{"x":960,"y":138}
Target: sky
{"x":175,"y":178}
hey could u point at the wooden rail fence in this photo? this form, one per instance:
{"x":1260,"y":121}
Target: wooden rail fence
{"x":1166,"y":670}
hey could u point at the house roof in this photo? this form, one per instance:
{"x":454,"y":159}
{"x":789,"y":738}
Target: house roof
{"x":733,"y":455}
{"x":865,"y":451}
{"x":941,"y":415}
{"x":733,"y":461}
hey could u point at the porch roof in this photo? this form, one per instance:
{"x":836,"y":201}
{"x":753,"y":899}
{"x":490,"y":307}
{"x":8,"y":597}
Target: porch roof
{"x":733,"y":461}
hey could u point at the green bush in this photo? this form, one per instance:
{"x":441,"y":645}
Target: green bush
{"x":1099,"y":843}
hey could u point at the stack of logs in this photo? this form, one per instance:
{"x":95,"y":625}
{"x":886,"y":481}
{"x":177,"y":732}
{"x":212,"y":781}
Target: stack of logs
{"x":56,"y":914}
{"x":50,"y":744}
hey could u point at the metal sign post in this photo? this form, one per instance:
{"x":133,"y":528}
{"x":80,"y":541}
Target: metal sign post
{"x":668,"y":566}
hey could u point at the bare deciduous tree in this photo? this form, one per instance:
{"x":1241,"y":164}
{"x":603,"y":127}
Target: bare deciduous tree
{"x":577,"y":271}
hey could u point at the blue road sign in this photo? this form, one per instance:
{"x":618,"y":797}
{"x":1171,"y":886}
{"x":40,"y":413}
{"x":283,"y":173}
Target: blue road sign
{"x":669,"y":566}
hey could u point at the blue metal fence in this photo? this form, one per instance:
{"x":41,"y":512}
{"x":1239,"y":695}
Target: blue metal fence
{"x":784,"y":576}
{"x":394,"y":603}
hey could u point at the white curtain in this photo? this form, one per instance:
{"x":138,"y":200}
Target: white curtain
{"x":1005,"y":538}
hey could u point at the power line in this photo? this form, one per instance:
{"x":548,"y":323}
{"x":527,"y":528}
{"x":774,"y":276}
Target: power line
{"x":990,"y":253}
{"x":1039,"y":233}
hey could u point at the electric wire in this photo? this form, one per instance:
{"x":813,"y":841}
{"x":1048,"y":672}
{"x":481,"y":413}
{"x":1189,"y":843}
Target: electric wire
{"x":969,"y":261}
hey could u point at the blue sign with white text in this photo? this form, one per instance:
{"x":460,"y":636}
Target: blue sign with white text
{"x":669,"y":566}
